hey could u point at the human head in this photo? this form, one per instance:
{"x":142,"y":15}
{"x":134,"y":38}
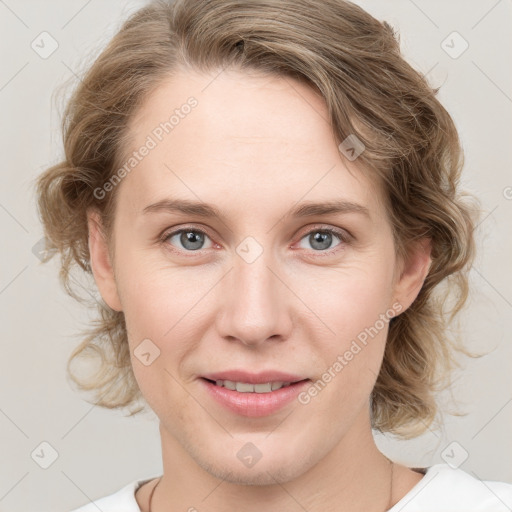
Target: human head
{"x":411,"y":151}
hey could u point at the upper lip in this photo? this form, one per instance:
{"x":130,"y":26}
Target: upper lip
{"x":254,"y":378}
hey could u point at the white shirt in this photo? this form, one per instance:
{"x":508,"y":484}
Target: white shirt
{"x":442,"y":489}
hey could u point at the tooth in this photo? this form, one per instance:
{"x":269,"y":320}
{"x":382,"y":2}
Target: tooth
{"x":263,"y":388}
{"x":229,"y":384}
{"x":244,"y":387}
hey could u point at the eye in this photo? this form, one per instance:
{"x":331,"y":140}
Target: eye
{"x":321,"y":239}
{"x":188,"y":239}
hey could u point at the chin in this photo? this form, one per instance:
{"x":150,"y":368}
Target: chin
{"x":268,"y":474}
{"x":276,"y":465}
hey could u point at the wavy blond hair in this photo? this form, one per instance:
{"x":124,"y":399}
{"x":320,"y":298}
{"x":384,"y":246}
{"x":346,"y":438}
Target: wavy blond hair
{"x":354,"y":62}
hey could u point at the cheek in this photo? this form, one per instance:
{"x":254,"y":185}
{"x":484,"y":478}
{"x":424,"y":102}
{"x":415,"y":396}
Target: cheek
{"x":166,"y":305}
{"x":347,"y":299}
{"x":160,"y":316}
{"x":154,"y":295}
{"x":353,"y":309}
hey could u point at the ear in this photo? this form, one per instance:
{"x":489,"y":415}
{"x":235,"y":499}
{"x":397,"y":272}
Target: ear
{"x":101,"y":265}
{"x":412,"y":272}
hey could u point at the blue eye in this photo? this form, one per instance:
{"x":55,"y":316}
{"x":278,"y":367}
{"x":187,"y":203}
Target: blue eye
{"x":321,"y":239}
{"x":191,"y":239}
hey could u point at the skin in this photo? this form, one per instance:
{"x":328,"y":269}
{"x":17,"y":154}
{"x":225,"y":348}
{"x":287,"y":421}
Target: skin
{"x":255,"y":146}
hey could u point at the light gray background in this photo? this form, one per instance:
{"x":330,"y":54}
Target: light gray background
{"x":99,"y":450}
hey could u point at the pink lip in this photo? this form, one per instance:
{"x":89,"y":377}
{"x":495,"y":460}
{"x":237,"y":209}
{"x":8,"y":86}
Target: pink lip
{"x":254,"y":404}
{"x":254,"y":378}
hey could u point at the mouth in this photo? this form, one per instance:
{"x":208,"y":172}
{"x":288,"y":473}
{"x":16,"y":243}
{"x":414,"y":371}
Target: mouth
{"x":253,"y":395}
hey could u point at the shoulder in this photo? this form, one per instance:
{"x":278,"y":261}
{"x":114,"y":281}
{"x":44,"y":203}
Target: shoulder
{"x":444,"y":489}
{"x":122,"y":500}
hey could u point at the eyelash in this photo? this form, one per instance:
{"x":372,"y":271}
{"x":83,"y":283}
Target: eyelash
{"x":342,"y":235}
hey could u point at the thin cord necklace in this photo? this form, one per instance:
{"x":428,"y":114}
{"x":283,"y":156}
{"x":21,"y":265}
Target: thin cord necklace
{"x":390,"y":503}
{"x":152,"y":492}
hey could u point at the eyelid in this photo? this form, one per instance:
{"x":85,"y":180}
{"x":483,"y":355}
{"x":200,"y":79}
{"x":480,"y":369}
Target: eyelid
{"x":345,"y":235}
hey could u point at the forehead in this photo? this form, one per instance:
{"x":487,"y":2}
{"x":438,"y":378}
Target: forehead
{"x":213,"y":134}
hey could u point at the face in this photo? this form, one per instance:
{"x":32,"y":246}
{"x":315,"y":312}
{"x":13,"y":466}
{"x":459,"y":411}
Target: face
{"x":258,"y":287}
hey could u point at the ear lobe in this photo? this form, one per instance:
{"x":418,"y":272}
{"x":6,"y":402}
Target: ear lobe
{"x":101,"y":265}
{"x":414,"y":270}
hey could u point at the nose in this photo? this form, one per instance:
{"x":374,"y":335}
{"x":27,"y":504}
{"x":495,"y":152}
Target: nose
{"x":256,"y":303}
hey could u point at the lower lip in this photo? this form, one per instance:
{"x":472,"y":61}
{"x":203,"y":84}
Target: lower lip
{"x":254,"y":404}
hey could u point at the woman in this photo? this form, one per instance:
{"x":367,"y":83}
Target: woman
{"x":267,"y":196}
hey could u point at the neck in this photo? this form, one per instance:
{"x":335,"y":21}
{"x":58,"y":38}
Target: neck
{"x":340,"y":481}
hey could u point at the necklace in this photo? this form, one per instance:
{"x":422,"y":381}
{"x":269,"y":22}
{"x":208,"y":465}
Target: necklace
{"x":152,"y":491}
{"x":390,"y":503}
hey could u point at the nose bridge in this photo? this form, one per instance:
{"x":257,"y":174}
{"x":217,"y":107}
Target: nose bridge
{"x":255,"y":305}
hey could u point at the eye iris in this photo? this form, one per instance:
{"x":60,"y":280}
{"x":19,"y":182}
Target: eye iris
{"x":191,"y":237}
{"x":324,"y":238}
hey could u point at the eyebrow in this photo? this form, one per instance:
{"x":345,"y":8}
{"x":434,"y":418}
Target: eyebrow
{"x":305,"y":209}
